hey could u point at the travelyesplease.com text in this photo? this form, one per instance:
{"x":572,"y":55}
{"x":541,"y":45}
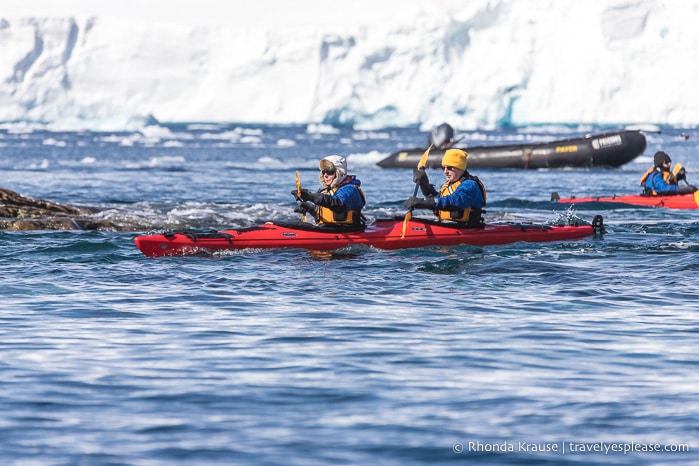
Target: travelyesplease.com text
{"x":568,"y":447}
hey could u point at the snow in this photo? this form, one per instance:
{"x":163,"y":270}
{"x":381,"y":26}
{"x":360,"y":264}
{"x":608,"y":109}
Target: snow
{"x":480,"y":64}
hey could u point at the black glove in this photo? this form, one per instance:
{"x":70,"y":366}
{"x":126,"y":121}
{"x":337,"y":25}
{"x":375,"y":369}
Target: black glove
{"x":305,"y":208}
{"x":420,"y":177}
{"x":306,"y":195}
{"x":689,"y":189}
{"x":681,"y":175}
{"x":419,"y":203}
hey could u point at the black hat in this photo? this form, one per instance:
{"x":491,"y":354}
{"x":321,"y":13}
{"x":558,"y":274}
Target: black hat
{"x":660,"y":158}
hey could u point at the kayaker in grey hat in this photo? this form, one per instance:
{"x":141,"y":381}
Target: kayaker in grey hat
{"x":340,"y":199}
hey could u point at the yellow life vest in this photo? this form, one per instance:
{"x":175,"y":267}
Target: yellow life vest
{"x":326,"y":216}
{"x":471,"y":215}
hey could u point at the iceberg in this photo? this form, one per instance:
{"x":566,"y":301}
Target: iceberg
{"x":478,"y":65}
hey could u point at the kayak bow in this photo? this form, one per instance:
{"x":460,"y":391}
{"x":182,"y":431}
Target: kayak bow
{"x":382,"y":234}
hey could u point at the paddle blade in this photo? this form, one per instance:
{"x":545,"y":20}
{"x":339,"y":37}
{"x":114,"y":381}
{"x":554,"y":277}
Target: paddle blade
{"x":298,"y":193}
{"x":423,"y":159}
{"x":408,"y":216}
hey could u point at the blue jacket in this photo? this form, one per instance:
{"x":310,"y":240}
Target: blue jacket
{"x":348,"y":194}
{"x":657,"y":183}
{"x":468,"y":194}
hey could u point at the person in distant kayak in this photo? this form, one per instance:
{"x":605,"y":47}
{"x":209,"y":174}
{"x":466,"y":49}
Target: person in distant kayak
{"x":661,"y":181}
{"x":460,"y":199}
{"x":340,"y":199}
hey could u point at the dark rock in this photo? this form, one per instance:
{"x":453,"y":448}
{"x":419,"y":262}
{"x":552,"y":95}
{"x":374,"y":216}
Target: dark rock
{"x":22,"y":213}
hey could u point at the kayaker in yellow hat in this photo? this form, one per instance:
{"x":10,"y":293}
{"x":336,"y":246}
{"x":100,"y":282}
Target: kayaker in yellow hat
{"x":460,"y":199}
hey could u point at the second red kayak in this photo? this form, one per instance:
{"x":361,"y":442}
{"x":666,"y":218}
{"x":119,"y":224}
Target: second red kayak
{"x":679,"y":201}
{"x":382,"y":234}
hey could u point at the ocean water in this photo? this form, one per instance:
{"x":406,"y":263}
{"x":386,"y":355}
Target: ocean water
{"x":583,"y":352}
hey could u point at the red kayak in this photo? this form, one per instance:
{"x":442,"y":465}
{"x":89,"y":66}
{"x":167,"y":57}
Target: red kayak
{"x":382,"y":234}
{"x":678,"y":201}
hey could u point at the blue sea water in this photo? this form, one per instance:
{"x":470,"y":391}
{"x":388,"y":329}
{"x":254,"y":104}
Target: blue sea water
{"x":459,"y":355}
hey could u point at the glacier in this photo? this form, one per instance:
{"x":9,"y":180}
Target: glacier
{"x":479,"y":64}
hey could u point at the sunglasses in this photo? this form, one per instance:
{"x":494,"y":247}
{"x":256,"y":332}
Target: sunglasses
{"x":329,"y":171}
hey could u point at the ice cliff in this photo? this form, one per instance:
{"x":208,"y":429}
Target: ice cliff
{"x":477,"y":65}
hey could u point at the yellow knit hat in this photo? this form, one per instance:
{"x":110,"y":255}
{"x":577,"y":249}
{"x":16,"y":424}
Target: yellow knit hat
{"x":454,"y":158}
